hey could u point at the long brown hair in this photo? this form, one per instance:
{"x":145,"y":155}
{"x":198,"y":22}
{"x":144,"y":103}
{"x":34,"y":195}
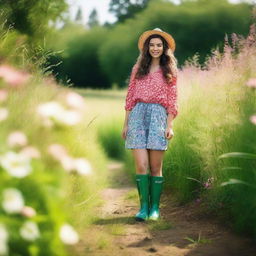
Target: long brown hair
{"x":168,"y":63}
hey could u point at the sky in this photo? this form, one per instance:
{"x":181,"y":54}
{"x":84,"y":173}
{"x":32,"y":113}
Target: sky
{"x":101,"y":7}
{"x":88,"y":5}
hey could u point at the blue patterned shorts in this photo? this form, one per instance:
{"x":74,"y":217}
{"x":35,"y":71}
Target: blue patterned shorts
{"x":146,"y":127}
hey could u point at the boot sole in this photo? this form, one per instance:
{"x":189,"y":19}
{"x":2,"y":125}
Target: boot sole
{"x":140,"y":219}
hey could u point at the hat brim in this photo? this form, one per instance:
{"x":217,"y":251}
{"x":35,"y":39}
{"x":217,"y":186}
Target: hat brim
{"x":165,"y":35}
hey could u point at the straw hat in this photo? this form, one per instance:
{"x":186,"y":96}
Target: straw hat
{"x":158,"y":31}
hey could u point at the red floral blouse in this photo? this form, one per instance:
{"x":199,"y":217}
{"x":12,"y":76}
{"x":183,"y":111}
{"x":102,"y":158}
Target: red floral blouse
{"x":152,"y":88}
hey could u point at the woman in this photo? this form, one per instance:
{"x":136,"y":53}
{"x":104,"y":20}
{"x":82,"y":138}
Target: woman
{"x":151,"y":106}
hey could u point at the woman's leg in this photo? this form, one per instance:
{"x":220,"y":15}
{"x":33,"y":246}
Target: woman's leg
{"x":156,"y":162}
{"x":142,"y":181}
{"x":141,"y":158}
{"x":156,"y":182}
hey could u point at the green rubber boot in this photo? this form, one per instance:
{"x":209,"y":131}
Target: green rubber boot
{"x":142,"y":181}
{"x":156,"y":186}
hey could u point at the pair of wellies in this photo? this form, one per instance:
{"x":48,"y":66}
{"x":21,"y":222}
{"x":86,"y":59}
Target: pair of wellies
{"x":149,"y":189}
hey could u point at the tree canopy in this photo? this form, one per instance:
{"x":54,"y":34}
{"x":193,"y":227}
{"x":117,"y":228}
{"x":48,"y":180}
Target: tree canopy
{"x":32,"y":17}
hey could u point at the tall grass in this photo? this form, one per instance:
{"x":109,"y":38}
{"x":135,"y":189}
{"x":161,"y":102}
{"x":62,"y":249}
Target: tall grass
{"x":215,"y":110}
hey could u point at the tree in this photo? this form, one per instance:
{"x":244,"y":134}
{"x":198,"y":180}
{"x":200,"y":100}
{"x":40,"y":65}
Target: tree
{"x":93,"y":19}
{"x":124,"y":9}
{"x":79,"y":16}
{"x":32,"y":17}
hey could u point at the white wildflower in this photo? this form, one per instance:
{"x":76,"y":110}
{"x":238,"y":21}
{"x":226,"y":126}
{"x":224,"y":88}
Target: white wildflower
{"x":56,"y":113}
{"x":68,"y":235}
{"x":70,"y":117}
{"x":75,"y":100}
{"x":3,"y":233}
{"x":16,"y":164}
{"x":4,"y":250}
{"x":4,"y":236}
{"x":3,"y":114}
{"x":67,"y":163}
{"x":50,"y":109}
{"x":29,"y":231}
{"x":13,"y":201}
{"x":83,"y":166}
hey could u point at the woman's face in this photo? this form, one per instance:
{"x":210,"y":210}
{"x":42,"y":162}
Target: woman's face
{"x":156,"y":47}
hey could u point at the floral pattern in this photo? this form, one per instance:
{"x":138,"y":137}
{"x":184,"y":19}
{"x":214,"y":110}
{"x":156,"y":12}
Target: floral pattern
{"x":146,"y":127}
{"x":153,"y":88}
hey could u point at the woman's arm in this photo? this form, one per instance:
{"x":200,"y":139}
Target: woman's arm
{"x":172,"y":108}
{"x":125,"y":127}
{"x":127,"y":113}
{"x":169,"y":120}
{"x":129,"y":101}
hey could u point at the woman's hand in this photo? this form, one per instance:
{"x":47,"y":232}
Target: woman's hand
{"x":124,"y":132}
{"x":169,"y":133}
{"x":125,"y":127}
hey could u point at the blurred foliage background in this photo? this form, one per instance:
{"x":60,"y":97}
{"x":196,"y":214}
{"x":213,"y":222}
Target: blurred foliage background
{"x":197,"y":27}
{"x":101,"y":56}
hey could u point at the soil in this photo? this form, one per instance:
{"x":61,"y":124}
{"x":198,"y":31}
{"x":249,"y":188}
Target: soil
{"x":183,"y":230}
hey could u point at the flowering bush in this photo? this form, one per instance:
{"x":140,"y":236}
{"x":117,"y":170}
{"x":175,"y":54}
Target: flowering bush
{"x":33,"y":168}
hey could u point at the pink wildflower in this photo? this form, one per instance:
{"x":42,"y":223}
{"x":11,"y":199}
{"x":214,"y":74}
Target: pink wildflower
{"x":207,"y":185}
{"x":198,"y":200}
{"x":17,"y":138}
{"x":28,"y":211}
{"x":57,"y":151}
{"x":3,"y":95}
{"x":12,"y":76}
{"x":253,"y":119}
{"x":31,"y":152}
{"x":50,"y":80}
{"x":251,"y":83}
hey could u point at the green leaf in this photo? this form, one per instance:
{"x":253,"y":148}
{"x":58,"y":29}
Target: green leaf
{"x":231,"y":168}
{"x":238,"y":155}
{"x":190,"y":239}
{"x":236,"y":181}
{"x":194,"y":179}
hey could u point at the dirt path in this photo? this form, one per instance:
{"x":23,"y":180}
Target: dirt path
{"x":183,"y":230}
